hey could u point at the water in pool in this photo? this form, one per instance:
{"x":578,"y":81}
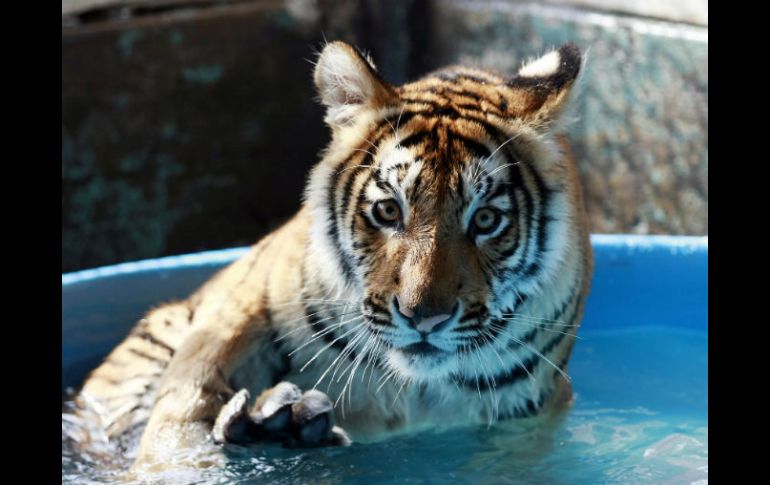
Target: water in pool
{"x":640,"y":416}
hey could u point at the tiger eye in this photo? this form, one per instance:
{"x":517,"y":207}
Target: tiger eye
{"x":387,"y":212}
{"x":485,"y":220}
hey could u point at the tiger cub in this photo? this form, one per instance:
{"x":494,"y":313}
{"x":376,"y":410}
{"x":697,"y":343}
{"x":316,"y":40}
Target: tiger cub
{"x":435,"y":274}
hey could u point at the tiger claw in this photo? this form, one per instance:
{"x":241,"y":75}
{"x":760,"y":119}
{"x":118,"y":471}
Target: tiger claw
{"x":274,"y":407}
{"x":312,"y":418}
{"x":281,"y":414}
{"x":233,"y":424}
{"x":313,"y":422}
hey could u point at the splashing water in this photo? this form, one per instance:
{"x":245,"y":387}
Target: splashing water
{"x":640,"y":416}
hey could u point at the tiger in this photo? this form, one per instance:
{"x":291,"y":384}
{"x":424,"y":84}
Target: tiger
{"x":435,"y":275}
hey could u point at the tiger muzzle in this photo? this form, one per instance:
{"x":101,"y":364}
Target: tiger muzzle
{"x":426,"y":320}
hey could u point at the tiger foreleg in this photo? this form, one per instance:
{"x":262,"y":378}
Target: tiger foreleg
{"x":190,"y":395}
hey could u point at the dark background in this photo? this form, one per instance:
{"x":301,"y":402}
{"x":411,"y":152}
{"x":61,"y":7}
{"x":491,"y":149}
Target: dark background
{"x":191,"y":125}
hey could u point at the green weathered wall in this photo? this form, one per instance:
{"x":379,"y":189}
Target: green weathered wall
{"x":193,"y":129}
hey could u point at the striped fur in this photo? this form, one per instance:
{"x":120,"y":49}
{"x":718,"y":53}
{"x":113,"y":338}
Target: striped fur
{"x":317,"y":301}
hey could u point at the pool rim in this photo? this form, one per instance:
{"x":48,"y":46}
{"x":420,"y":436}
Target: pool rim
{"x":224,"y":256}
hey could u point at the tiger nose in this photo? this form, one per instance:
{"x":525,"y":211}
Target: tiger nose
{"x":423,"y":320}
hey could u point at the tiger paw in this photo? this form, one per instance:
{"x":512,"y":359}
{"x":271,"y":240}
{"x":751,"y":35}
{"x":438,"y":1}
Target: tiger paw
{"x":282,"y":413}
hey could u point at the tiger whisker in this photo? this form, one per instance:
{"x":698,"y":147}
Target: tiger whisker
{"x":398,"y":121}
{"x":535,"y":325}
{"x":534,"y":322}
{"x":395,"y":135}
{"x":478,"y":386}
{"x":484,"y":173}
{"x":484,"y":374}
{"x":387,"y":371}
{"x":364,"y":151}
{"x":387,"y":376}
{"x":486,"y":334}
{"x":406,"y":379}
{"x":348,"y":349}
{"x":482,"y":164}
{"x":353,"y":344}
{"x":530,"y":377}
{"x":501,"y":167}
{"x":353,"y":167}
{"x":453,"y":380}
{"x":313,"y":300}
{"x":372,"y":357}
{"x":328,"y":329}
{"x":324,"y":348}
{"x":331,"y":366}
{"x":349,"y":384}
{"x":307,"y":324}
{"x":545,"y":325}
{"x":541,"y":319}
{"x":490,"y":383}
{"x":336,"y":359}
{"x":339,"y":359}
{"x":539,"y":354}
{"x":519,"y":362}
{"x":364,"y":138}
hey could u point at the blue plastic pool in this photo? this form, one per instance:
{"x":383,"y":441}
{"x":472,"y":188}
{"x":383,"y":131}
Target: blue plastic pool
{"x":640,"y":372}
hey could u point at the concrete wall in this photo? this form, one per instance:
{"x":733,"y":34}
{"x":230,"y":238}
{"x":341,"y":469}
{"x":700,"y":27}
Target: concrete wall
{"x":191,"y":125}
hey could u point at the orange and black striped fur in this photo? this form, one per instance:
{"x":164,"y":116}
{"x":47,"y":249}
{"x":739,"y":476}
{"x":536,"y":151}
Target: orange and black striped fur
{"x":436,"y":273}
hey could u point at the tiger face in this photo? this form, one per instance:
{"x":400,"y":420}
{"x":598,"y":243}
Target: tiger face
{"x":444,"y":203}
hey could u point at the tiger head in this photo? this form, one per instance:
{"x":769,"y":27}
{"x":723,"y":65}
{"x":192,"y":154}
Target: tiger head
{"x":443,"y":204}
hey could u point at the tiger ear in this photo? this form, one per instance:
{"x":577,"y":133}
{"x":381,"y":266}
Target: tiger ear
{"x":348,"y":82}
{"x":541,"y":89}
